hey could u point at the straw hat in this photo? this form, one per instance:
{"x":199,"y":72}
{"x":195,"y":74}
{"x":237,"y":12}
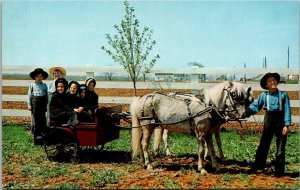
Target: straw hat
{"x":263,"y":80}
{"x":62,"y":70}
{"x":38,"y":71}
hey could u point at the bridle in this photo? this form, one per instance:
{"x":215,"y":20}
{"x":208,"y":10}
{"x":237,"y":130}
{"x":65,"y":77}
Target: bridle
{"x":234,"y":100}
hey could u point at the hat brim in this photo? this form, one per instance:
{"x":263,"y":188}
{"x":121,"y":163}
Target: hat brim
{"x":62,"y":70}
{"x":33,"y":74}
{"x":263,"y":80}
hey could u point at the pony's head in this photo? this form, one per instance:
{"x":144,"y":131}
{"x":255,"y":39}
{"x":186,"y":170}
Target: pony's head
{"x":236,"y":98}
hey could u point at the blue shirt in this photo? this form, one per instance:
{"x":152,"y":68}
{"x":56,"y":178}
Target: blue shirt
{"x":51,"y":88}
{"x":274,"y":104}
{"x":36,"y":89}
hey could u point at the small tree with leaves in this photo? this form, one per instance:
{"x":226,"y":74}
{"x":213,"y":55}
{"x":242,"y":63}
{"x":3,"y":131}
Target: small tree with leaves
{"x":130,"y":47}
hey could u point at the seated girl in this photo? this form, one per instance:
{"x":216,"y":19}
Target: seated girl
{"x":60,"y":111}
{"x":82,"y":102}
{"x":72,"y":94}
{"x":91,"y":96}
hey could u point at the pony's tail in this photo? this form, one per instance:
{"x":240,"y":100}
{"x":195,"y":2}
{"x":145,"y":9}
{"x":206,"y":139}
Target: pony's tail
{"x":136,"y":132}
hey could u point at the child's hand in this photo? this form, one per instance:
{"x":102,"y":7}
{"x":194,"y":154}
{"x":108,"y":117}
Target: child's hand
{"x":285,"y":130}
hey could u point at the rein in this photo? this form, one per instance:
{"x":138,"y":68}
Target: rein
{"x":208,"y":109}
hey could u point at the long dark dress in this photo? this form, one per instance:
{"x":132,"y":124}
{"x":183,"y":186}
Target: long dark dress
{"x":91,"y":101}
{"x":84,"y":116}
{"x":60,"y":111}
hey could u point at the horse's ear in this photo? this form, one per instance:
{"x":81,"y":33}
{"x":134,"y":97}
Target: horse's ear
{"x":249,"y":90}
{"x":230,"y":84}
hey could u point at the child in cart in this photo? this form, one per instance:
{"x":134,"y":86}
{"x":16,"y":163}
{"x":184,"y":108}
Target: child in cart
{"x":91,"y":96}
{"x":61,"y":113}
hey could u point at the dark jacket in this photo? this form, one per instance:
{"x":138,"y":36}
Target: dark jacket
{"x":91,"y":100}
{"x":73,"y":100}
{"x":59,"y":106}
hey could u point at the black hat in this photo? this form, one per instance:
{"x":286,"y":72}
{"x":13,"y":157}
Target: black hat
{"x":87,"y":81}
{"x":38,"y":71}
{"x":61,"y":80}
{"x":82,"y":87}
{"x":263,"y":80}
{"x":74,"y":82}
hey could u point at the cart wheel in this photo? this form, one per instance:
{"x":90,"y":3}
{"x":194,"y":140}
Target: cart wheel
{"x":94,"y":148}
{"x":99,"y":147}
{"x":61,"y":151}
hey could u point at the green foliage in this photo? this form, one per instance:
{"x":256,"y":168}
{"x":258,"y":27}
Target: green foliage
{"x":131,"y":47}
{"x":102,"y":177}
{"x":244,"y":178}
{"x":170,"y":184}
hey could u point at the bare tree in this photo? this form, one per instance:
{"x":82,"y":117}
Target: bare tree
{"x":131,"y":48}
{"x":109,"y":75}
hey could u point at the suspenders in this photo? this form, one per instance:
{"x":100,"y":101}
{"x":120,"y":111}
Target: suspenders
{"x":279,"y":100}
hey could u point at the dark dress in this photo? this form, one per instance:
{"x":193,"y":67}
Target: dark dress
{"x":91,"y":101}
{"x":73,"y":100}
{"x":60,"y":111}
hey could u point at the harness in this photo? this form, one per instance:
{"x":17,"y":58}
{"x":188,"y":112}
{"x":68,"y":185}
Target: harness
{"x":208,"y":109}
{"x":268,"y":100}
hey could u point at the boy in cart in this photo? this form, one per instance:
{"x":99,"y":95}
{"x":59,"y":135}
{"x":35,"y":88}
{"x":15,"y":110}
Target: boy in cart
{"x":37,"y":103}
{"x":276,"y":121}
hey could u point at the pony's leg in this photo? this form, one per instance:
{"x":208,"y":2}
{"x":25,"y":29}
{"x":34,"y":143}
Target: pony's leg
{"x":219,"y":144}
{"x":165,"y":139}
{"x":201,"y":156}
{"x":211,"y":150}
{"x":158,"y":131}
{"x":147,"y":131}
{"x":206,"y":152}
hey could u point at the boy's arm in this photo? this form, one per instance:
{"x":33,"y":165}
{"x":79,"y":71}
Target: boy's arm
{"x":256,"y":105}
{"x":29,"y":93}
{"x":287,"y":110}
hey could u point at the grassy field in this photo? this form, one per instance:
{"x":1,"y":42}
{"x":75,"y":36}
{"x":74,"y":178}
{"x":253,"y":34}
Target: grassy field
{"x":26,"y":166}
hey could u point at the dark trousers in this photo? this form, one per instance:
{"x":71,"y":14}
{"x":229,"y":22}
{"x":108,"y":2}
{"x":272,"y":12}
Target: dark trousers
{"x":38,"y":111}
{"x":273,"y":124}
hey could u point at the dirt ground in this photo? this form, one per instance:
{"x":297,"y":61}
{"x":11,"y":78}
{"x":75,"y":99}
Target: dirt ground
{"x":167,"y":169}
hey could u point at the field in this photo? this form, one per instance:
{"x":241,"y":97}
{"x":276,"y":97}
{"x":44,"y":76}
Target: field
{"x":25,"y":165}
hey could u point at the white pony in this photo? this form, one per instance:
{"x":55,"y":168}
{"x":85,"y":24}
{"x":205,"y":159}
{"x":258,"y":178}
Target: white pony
{"x":184,"y":116}
{"x":208,"y":97}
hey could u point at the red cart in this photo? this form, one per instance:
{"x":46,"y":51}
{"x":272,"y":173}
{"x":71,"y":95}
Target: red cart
{"x":65,"y":143}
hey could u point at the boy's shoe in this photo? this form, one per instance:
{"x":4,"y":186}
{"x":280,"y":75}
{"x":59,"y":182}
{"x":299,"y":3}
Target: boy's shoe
{"x":38,"y":140}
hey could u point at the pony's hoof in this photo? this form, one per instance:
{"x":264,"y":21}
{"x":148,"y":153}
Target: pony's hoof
{"x":203,"y":172}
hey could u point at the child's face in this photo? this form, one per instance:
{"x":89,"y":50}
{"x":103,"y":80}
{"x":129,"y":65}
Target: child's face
{"x":60,"y":88}
{"x":82,"y":94}
{"x":39,"y":77}
{"x":271,"y":83}
{"x":56,"y":74}
{"x":73,"y":88}
{"x":91,"y":86}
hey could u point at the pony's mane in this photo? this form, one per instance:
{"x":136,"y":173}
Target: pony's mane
{"x":216,"y":94}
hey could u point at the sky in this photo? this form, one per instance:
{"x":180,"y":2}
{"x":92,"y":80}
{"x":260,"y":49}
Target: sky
{"x":213,"y":33}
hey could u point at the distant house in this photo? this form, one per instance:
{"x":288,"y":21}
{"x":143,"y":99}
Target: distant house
{"x":89,"y":75}
{"x":164,"y":77}
{"x":293,"y":77}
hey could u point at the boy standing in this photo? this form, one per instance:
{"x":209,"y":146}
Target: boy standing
{"x":276,"y":121}
{"x":37,"y":103}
